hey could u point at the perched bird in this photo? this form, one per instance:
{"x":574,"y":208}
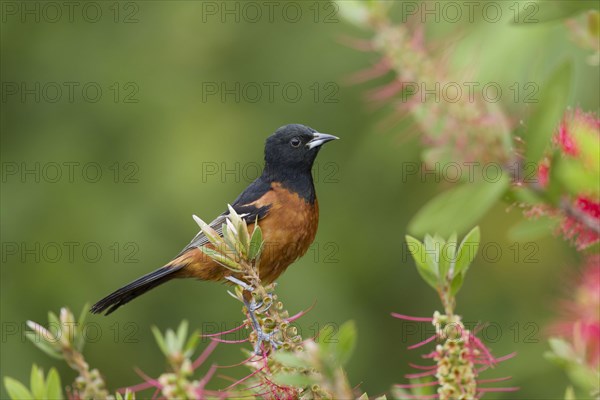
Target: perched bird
{"x":282,"y":200}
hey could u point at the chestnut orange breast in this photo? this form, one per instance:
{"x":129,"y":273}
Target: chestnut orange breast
{"x":288,"y":229}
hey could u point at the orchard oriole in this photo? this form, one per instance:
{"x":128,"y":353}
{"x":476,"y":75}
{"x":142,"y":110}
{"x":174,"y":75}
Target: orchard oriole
{"x":282,"y":200}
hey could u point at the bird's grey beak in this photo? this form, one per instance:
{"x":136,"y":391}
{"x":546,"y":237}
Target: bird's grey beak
{"x":319,"y":139}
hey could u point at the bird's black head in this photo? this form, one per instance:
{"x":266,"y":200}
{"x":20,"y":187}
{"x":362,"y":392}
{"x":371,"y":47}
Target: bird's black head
{"x":294,"y":148}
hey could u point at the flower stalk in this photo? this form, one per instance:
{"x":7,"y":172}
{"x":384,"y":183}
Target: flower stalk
{"x":64,"y":339}
{"x":459,"y":356}
{"x":239,"y":251}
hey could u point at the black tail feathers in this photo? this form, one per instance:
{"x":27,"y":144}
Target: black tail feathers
{"x":136,"y":288}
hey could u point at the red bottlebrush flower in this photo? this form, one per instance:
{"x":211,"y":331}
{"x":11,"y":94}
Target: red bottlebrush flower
{"x":579,"y":226}
{"x":459,"y":358}
{"x":575,"y":174}
{"x":543,"y":173}
{"x":564,"y":139}
{"x":588,"y":206}
{"x":581,"y":321}
{"x":573,"y":129}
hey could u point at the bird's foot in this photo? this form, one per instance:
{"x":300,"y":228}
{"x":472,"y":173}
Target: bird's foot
{"x":254,"y":308}
{"x":261,"y":335}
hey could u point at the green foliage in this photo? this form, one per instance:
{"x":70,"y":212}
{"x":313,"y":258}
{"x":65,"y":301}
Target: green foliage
{"x":41,"y":388}
{"x":441,"y":264}
{"x":127,"y":396}
{"x":176,"y":345}
{"x":320,"y":366}
{"x":580,"y":174}
{"x":467,"y":251}
{"x":524,"y":51}
{"x":256,"y":243}
{"x":554,"y":97}
{"x":458,"y":208}
{"x":235,"y":243}
{"x":426,"y":267}
{"x":61,"y":330}
{"x":564,"y":355}
{"x":64,"y":339}
{"x":342,"y":348}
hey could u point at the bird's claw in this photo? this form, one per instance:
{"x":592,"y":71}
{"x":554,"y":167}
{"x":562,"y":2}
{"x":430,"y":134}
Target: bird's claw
{"x":252,"y":306}
{"x":261,"y":336}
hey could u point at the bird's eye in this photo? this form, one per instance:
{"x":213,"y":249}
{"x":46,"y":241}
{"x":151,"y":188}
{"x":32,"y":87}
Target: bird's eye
{"x":295,"y":142}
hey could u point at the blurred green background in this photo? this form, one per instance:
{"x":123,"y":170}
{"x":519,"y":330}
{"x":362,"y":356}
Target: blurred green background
{"x":155,"y":155}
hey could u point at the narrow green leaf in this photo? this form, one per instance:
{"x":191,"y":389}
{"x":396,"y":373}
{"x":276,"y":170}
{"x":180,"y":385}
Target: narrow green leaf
{"x":456,"y":284}
{"x":191,"y":344}
{"x":458,"y":208}
{"x":554,"y":95}
{"x":256,"y":243}
{"x":171,"y":341}
{"x":53,"y":322}
{"x":79,"y":336}
{"x":43,"y":345}
{"x":242,"y":231}
{"x":209,"y":232}
{"x":432,"y":246}
{"x":182,"y":333}
{"x":444,"y":256}
{"x":222,"y":259}
{"x":467,"y":251}
{"x":83,"y":314}
{"x":53,"y":385}
{"x":346,"y":343}
{"x":423,"y":261}
{"x":448,"y":253}
{"x":16,"y":390}
{"x":234,"y":237}
{"x":129,"y":395}
{"x":36,"y":382}
{"x":234,"y":217}
{"x":160,"y":340}
{"x":228,"y":239}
